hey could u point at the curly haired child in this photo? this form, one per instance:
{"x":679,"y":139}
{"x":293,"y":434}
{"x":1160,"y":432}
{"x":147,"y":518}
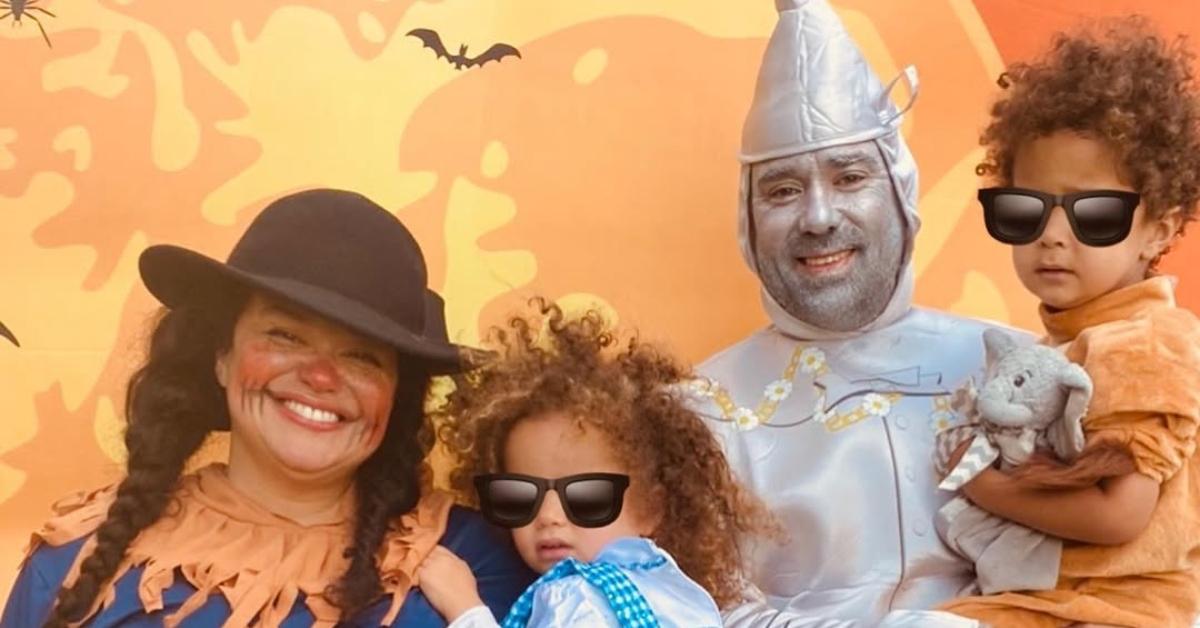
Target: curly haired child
{"x":614,"y":490}
{"x":1096,"y":148}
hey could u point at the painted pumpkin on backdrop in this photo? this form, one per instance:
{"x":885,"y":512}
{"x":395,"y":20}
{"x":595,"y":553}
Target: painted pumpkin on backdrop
{"x":595,"y":165}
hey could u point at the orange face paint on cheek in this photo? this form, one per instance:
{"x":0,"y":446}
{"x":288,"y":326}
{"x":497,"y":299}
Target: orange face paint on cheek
{"x":255,"y":364}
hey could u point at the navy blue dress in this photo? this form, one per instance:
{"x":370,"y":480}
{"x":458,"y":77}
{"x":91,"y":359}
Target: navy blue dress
{"x":499,"y":570}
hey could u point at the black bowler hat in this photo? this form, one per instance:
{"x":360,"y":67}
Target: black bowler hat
{"x":8,"y":334}
{"x":331,"y":251}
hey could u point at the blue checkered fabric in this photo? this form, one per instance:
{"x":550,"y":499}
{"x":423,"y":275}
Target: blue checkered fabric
{"x":626,"y":602}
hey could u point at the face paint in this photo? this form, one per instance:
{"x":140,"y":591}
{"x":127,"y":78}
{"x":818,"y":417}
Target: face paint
{"x":305,"y":394}
{"x":829,"y":234}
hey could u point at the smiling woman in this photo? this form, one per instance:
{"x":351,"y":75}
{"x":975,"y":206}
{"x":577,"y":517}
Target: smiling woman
{"x":313,"y":345}
{"x":308,"y":400}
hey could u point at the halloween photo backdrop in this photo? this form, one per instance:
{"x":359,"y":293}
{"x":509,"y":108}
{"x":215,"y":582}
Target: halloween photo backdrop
{"x":578,"y":149}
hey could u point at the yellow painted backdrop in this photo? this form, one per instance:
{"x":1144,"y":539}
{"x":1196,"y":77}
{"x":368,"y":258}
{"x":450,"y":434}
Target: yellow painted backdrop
{"x":597,"y":168}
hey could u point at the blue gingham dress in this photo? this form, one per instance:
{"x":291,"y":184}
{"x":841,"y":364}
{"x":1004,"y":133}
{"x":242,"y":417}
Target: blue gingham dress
{"x":630,"y":584}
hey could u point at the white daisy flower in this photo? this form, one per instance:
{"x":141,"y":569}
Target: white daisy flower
{"x":876,"y":405}
{"x":940,"y":420}
{"x":745,"y":419}
{"x":812,"y":360}
{"x":778,"y":390}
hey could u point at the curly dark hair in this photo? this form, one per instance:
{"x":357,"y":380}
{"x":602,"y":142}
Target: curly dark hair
{"x":551,"y":363}
{"x":173,"y":402}
{"x":1117,"y":81}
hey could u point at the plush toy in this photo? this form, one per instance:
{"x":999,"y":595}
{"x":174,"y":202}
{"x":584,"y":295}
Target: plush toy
{"x":1032,"y":398}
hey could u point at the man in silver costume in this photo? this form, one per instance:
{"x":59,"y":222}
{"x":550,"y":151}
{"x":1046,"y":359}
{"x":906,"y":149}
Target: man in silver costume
{"x":829,"y":413}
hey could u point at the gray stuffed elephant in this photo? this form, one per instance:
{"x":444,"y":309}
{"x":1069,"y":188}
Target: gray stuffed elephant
{"x":1032,"y":397}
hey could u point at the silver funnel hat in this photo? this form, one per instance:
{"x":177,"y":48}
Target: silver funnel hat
{"x":815,"y":90}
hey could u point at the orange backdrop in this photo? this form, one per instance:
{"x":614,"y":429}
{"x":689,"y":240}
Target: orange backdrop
{"x":598,"y":168}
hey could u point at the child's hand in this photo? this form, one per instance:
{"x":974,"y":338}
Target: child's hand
{"x":448,"y":583}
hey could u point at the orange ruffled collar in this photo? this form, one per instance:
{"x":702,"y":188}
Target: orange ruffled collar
{"x":221,"y":541}
{"x":1064,"y":325}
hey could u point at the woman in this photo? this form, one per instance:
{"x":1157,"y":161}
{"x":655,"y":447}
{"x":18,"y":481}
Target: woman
{"x":313,"y":346}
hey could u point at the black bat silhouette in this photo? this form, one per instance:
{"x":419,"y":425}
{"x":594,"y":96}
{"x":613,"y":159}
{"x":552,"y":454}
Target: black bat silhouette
{"x":430,"y":39}
{"x":8,"y":334}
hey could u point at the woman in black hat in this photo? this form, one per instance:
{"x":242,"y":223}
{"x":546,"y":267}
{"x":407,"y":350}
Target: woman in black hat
{"x":313,"y":346}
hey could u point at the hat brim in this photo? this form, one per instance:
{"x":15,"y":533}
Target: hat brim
{"x":177,"y":276}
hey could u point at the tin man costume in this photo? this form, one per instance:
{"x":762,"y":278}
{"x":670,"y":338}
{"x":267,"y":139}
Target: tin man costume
{"x":835,"y":430}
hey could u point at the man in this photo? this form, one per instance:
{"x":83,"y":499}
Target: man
{"x":829,"y":414}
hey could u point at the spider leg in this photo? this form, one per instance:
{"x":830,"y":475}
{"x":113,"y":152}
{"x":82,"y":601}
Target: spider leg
{"x":6,"y":15}
{"x":39,"y":23}
{"x":28,"y":9}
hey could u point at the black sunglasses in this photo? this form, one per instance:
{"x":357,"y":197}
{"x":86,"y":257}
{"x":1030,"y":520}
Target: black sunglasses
{"x":1097,"y":217}
{"x":590,"y":500}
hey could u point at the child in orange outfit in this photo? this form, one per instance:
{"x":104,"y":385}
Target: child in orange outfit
{"x":1097,"y":146}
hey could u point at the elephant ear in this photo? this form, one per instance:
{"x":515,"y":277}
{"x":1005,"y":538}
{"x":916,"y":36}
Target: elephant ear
{"x":996,"y":345}
{"x":1066,"y":434}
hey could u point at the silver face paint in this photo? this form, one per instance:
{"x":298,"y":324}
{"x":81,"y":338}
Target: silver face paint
{"x":837,"y":201}
{"x":815,"y":90}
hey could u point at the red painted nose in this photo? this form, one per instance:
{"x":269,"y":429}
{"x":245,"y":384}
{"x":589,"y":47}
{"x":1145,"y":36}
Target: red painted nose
{"x":320,"y":374}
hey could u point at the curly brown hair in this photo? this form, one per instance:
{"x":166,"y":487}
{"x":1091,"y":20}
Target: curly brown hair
{"x":551,"y":363}
{"x":1117,"y":81}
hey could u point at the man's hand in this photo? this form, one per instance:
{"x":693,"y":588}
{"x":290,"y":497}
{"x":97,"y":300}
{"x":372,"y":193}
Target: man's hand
{"x":448,"y":583}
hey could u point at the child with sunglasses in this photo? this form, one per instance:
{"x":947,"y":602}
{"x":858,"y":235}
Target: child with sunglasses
{"x":1097,"y":149}
{"x":614,"y":490}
